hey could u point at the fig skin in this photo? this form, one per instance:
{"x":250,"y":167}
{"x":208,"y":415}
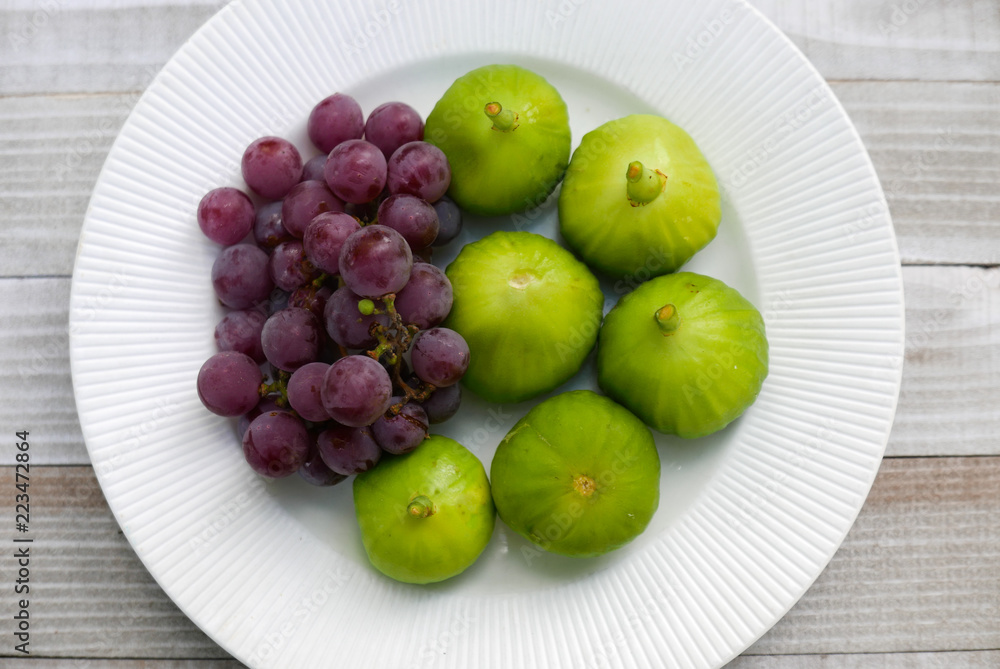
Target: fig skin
{"x":495,"y":171}
{"x":619,"y":236}
{"x":578,"y":475}
{"x":690,"y":375}
{"x":529,"y":311}
{"x":460,"y":519}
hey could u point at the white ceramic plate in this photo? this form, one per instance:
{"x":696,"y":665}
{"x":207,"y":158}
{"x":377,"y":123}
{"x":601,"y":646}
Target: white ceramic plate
{"x":748,"y":518}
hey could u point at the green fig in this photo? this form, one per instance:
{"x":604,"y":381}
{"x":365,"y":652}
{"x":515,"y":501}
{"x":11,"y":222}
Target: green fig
{"x":579,"y":475}
{"x":685,"y":352}
{"x":505,"y":131}
{"x":638,"y":196}
{"x":427,"y":515}
{"x":528,"y":310}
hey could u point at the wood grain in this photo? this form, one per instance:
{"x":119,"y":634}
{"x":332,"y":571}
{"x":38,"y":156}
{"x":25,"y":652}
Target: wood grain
{"x":939,"y":164}
{"x":949,"y":400}
{"x":53,"y":47}
{"x":894,"y":39}
{"x":950,"y":660}
{"x":59,"y":47}
{"x":988,"y":659}
{"x":90,"y":596}
{"x":54,"y":148}
{"x":36,"y":391}
{"x":916,"y":573}
{"x":88,"y":663}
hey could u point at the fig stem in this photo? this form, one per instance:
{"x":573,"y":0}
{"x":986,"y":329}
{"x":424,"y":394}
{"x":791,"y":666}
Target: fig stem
{"x":420,"y":507}
{"x":504,"y":120}
{"x":644,"y":185}
{"x":668,"y":319}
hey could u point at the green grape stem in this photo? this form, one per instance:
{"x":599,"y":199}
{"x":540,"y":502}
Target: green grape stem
{"x":394,"y":340}
{"x":644,"y":185}
{"x":279,"y":386}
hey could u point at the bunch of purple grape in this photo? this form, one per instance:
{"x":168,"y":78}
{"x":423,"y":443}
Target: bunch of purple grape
{"x":330,"y":352}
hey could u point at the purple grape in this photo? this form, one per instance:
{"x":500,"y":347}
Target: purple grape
{"x":443,"y":403}
{"x":375,"y":261}
{"x":240,"y":331}
{"x":412,"y":217}
{"x":314,"y":471}
{"x":289,"y":267}
{"x":304,"y":391}
{"x":419,"y":168}
{"x":240,"y":276}
{"x":276,"y":444}
{"x":229,"y":383}
{"x":345,"y":324}
{"x":449,"y":220}
{"x":424,"y":255}
{"x":265,"y":405}
{"x":356,"y":390}
{"x":225,"y":215}
{"x":403,"y":431}
{"x":291,"y":338}
{"x":426,"y":298}
{"x":268,"y":229}
{"x":311,"y":298}
{"x":392,"y":124}
{"x":306,"y":201}
{"x":439,"y":356}
{"x":313,"y":169}
{"x":333,"y":120}
{"x":355,"y":171}
{"x":271,"y":166}
{"x":325,"y":237}
{"x":348,"y":450}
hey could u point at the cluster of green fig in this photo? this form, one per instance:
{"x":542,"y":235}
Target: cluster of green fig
{"x":683,"y":353}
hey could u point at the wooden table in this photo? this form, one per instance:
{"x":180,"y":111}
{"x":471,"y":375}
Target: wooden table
{"x":917,"y":581}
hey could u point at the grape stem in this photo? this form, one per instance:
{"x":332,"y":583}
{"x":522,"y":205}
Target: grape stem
{"x":279,"y":386}
{"x":394,"y":340}
{"x":644,"y":185}
{"x":504,"y":120}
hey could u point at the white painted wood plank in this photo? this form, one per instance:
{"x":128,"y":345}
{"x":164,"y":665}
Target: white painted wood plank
{"x":58,"y":46}
{"x":917,"y":573}
{"x":966,"y":660}
{"x":51,"y":152}
{"x":90,"y":596}
{"x":89,"y":663}
{"x":37,"y":393}
{"x":941,"y":40}
{"x":949,"y":401}
{"x":55,"y":46}
{"x":936,"y":147}
{"x":986,"y":659}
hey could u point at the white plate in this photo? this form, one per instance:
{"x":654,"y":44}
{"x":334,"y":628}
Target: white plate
{"x":748,"y":519}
